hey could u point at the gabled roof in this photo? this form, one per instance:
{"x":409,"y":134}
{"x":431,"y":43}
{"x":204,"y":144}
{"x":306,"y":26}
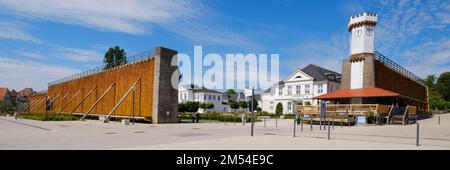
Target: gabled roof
{"x":320,"y":73}
{"x":13,"y":94}
{"x":26,"y":92}
{"x":206,"y":90}
{"x":3,"y":93}
{"x":355,"y":93}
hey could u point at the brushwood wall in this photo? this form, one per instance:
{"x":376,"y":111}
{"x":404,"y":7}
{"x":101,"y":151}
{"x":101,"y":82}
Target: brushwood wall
{"x":154,"y":98}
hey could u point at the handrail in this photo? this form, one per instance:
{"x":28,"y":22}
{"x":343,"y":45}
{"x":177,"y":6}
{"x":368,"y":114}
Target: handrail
{"x":121,"y":100}
{"x":79,"y":104}
{"x":389,"y":114}
{"x":70,"y":101}
{"x":396,"y":67}
{"x":128,"y":60}
{"x":98,"y":100}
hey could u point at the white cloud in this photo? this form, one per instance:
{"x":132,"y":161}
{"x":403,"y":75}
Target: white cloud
{"x":412,"y":32}
{"x":19,"y":74}
{"x":436,"y":54}
{"x":188,"y":18}
{"x":74,"y":54}
{"x":33,"y":55}
{"x":15,"y":31}
{"x":113,"y":15}
{"x":328,"y":54}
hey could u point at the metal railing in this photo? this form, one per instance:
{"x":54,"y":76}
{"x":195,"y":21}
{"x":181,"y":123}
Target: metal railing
{"x":394,"y":66}
{"x":129,"y":60}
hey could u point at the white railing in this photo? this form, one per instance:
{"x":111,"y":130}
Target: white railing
{"x":129,"y":60}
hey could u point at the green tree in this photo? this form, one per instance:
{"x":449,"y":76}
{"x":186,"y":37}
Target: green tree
{"x":114,"y":57}
{"x":430,"y":81}
{"x":234,"y":105}
{"x":209,"y":106}
{"x":255,"y":104}
{"x":192,"y":106}
{"x":258,"y":109}
{"x":202,"y":106}
{"x":182,"y":107}
{"x":230,"y":92}
{"x":279,"y":109}
{"x":6,"y":108}
{"x":443,"y":85}
{"x":243,"y":104}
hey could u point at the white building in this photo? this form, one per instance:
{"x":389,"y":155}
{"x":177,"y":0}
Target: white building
{"x":299,"y":88}
{"x":203,"y":95}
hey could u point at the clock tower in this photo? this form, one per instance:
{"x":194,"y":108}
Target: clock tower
{"x":361,"y":27}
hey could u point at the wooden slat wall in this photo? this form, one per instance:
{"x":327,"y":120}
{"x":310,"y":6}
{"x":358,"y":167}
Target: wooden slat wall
{"x":123,"y":76}
{"x":37,"y":103}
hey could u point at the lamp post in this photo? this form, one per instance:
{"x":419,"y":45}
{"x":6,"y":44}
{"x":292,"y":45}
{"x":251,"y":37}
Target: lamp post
{"x":251,"y":105}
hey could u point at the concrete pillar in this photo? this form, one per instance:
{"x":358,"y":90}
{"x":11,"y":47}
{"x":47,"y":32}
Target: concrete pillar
{"x":165,"y":96}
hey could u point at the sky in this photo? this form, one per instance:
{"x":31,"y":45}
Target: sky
{"x":45,"y":40}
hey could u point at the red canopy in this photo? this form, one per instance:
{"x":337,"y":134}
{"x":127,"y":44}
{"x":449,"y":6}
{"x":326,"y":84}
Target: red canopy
{"x":353,"y":93}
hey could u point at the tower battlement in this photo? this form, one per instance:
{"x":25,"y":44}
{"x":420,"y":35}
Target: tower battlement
{"x":364,"y":18}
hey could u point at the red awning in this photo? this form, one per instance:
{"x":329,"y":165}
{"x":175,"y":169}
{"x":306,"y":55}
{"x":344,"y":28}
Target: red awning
{"x":353,"y":93}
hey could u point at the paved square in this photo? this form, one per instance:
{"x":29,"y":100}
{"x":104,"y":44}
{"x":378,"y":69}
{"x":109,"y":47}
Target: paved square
{"x":90,"y":134}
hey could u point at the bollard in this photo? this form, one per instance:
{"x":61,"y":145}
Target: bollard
{"x":301,"y":122}
{"x":439,"y":120}
{"x":417,"y":134}
{"x":276,"y":121}
{"x":320,"y":122}
{"x":311,"y":123}
{"x":217,"y":119}
{"x":225,"y":120}
{"x":332,"y":120}
{"x":294,"y":127}
{"x":234,"y":119}
{"x":328,"y":130}
{"x":264,"y":122}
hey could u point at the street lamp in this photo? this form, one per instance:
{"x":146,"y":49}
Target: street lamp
{"x":251,"y":105}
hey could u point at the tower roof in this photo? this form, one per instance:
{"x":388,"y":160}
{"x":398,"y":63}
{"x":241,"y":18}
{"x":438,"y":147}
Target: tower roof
{"x":364,"y":18}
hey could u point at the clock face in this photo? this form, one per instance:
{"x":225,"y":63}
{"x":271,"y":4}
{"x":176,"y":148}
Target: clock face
{"x":358,"y":33}
{"x":369,"y":32}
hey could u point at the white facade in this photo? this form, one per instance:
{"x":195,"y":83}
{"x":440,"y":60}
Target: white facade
{"x":362,"y":36}
{"x":356,"y":76}
{"x":203,"y":95}
{"x":298,"y":88}
{"x":362,"y":28}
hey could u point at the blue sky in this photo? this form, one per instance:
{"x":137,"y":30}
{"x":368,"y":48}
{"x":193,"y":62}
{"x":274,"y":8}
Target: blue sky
{"x":44,"y":40}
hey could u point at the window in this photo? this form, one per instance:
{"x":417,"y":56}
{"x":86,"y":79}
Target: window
{"x":280,"y":91}
{"x":218,"y":98}
{"x":297,"y":90}
{"x":320,"y":88}
{"x":271,"y":102}
{"x":289,"y":106}
{"x":307,"y":89}
{"x":204,"y":97}
{"x":271,"y":107}
{"x":298,"y":77}
{"x":214,"y":97}
{"x":289,"y":90}
{"x":209,"y":97}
